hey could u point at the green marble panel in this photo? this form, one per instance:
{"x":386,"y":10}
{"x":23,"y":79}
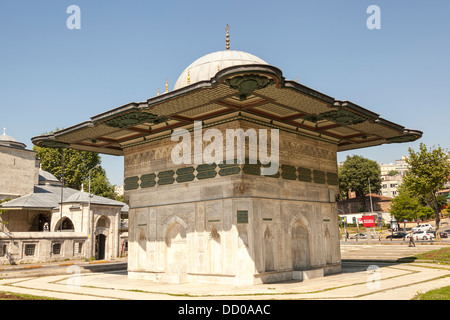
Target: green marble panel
{"x":185,"y":178}
{"x":319,"y":177}
{"x":148,"y":180}
{"x":166,"y":177}
{"x":206,"y":167}
{"x":332,"y":179}
{"x":202,"y":175}
{"x":229,"y":171}
{"x":304,"y":174}
{"x":131,"y":183}
{"x":242,"y":216}
{"x":252,"y":168}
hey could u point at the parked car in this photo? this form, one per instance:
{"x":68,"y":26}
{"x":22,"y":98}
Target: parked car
{"x":359,"y":236}
{"x":421,"y":235}
{"x":362,"y":236}
{"x":397,"y":235}
{"x":423,"y":227}
{"x":441,"y":233}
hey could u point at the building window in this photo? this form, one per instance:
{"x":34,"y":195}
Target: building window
{"x":78,"y":248}
{"x":56,"y":248}
{"x":30,"y":249}
{"x":3,"y":250}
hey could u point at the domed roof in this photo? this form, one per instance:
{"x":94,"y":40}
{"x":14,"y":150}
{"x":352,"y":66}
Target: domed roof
{"x":206,"y":67}
{"x":46,"y":177}
{"x":9,"y":141}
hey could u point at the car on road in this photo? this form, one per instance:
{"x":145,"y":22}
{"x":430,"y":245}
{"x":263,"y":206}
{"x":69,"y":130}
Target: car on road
{"x":421,"y":235}
{"x":362,"y":236}
{"x":397,"y":235}
{"x":442,"y":234}
{"x":359,"y":236}
{"x":423,"y":227}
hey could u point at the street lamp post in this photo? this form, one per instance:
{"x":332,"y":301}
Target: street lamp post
{"x":370,"y":195}
{"x":344,"y":222}
{"x":369,"y":235}
{"x":62,"y":192}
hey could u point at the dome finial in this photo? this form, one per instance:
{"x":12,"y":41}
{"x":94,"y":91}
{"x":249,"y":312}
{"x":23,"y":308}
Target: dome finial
{"x":4,"y":131}
{"x":227,"y":29}
{"x":167,"y":85}
{"x":157,"y":92}
{"x":189,"y":77}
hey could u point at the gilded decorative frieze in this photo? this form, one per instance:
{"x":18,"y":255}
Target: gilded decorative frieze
{"x":343,"y":117}
{"x":134,"y":118}
{"x":248,"y":83}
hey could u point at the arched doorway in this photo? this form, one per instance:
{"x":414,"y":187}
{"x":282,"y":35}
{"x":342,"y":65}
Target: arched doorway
{"x":300,"y":246}
{"x":100,"y":244}
{"x":101,"y":237}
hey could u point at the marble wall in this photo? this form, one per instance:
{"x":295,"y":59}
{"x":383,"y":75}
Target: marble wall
{"x":228,"y":224}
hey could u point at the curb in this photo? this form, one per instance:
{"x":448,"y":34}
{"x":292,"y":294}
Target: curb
{"x":62,"y":268}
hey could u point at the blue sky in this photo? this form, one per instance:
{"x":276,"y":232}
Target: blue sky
{"x":51,"y":76}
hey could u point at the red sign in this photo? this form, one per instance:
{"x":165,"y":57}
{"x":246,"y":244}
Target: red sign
{"x":368,"y":221}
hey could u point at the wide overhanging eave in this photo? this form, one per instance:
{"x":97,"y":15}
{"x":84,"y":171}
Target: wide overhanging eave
{"x":272,"y":98}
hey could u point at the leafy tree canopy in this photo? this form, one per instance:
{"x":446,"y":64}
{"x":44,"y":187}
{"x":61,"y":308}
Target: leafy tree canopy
{"x":404,"y":206}
{"x":393,"y":173}
{"x":355,"y":174}
{"x":428,"y":171}
{"x":76,"y":169}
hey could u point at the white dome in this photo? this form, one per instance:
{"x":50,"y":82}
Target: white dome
{"x":9,"y":141}
{"x":206,"y":67}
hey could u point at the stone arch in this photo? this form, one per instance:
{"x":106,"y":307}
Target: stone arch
{"x":102,"y":239}
{"x":102,"y":225}
{"x":302,"y":218}
{"x":67,"y":225}
{"x":300,"y":233}
{"x":176,"y":247}
{"x":171,"y":221}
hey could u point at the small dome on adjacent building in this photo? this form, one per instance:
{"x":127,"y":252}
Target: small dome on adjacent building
{"x":207,"y":66}
{"x":9,"y":141}
{"x":46,"y":178}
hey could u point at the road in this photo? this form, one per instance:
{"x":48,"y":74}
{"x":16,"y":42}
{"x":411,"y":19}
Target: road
{"x":382,"y":239}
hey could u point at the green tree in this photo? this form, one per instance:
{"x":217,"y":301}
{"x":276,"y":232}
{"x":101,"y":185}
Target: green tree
{"x":100,"y":185}
{"x":426,"y":213}
{"x":76,"y":169}
{"x":1,"y":211}
{"x":355,"y":175}
{"x":405,"y":206}
{"x":393,"y":173}
{"x":428,"y":171}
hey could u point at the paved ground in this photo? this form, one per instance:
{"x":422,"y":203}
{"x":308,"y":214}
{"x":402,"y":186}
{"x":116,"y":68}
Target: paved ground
{"x":369,"y":272}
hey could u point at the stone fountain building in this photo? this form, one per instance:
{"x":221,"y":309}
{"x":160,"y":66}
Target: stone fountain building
{"x":225,"y":222}
{"x":41,"y":221}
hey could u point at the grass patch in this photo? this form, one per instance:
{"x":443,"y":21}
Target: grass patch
{"x":18,"y":296}
{"x":441,"y":255}
{"x":437,"y":294}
